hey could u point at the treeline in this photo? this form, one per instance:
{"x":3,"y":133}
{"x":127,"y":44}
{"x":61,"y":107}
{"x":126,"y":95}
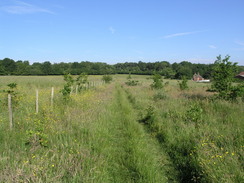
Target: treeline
{"x":174,"y":71}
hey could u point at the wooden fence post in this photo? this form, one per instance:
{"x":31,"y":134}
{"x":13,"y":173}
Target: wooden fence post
{"x":52,"y":96}
{"x":10,"y":111}
{"x":76,"y":89}
{"x":37,"y":105}
{"x":71,"y":90}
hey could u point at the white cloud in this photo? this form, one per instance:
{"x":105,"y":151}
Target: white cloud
{"x":200,"y":60}
{"x":239,"y":43}
{"x":24,"y":8}
{"x":138,"y":51}
{"x":181,"y":34}
{"x":111,"y":29}
{"x":212,"y":46}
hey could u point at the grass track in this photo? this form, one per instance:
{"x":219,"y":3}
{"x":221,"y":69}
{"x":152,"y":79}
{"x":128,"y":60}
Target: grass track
{"x":128,"y":153}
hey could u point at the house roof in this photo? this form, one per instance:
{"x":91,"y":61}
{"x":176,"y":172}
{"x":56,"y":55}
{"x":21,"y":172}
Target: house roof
{"x":240,"y":75}
{"x":197,"y":75}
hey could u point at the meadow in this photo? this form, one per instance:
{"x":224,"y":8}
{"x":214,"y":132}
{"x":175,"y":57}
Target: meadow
{"x":119,"y":133}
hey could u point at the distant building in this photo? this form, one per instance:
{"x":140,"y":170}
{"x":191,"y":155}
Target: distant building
{"x":197,"y":77}
{"x":240,"y":76}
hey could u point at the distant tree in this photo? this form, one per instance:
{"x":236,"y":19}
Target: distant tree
{"x":22,"y":68}
{"x":168,"y":72}
{"x":2,"y":69}
{"x":9,"y":66}
{"x":183,"y":71}
{"x":35,"y":69}
{"x":46,"y":68}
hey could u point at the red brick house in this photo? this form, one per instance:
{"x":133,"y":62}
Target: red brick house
{"x":240,"y":76}
{"x":197,"y":77}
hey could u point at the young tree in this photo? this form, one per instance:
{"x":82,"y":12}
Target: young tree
{"x":157,"y":81}
{"x":183,"y":84}
{"x":223,"y":76}
{"x":67,"y":86}
{"x":81,"y":80}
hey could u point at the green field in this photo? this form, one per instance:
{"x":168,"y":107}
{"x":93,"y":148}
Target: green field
{"x":118,"y":133}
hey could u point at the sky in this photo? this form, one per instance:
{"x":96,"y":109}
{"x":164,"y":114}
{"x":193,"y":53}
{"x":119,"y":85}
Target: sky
{"x":117,"y":31}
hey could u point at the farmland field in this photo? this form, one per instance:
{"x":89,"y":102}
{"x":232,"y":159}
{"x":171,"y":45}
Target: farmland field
{"x":119,"y":133}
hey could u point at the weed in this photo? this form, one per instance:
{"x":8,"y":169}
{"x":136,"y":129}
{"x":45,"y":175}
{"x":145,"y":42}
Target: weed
{"x":132,"y":82}
{"x":194,"y":113}
{"x":149,"y":118}
{"x":160,"y":96}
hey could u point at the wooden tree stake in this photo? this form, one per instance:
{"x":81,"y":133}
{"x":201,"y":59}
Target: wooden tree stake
{"x":52,"y":96}
{"x":76,"y":90}
{"x":71,"y":88}
{"x":10,"y":111}
{"x":37,"y":105}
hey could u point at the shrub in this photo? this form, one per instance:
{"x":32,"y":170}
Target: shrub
{"x":67,"y":86}
{"x":237,"y":91}
{"x":194,"y":114}
{"x":12,"y":89}
{"x":183,"y":84}
{"x":132,"y":82}
{"x":107,"y":78}
{"x":81,"y":80}
{"x":157,"y":82}
{"x":149,"y":118}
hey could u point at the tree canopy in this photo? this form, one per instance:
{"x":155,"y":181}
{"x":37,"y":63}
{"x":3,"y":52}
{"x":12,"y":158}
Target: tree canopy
{"x":174,"y":71}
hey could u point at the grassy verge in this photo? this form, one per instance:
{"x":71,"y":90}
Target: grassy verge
{"x":204,"y":139}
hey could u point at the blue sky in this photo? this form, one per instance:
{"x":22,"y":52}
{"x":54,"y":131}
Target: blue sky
{"x":115,"y":31}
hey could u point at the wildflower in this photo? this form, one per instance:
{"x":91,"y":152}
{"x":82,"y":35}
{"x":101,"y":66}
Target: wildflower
{"x":232,"y":154}
{"x":52,"y":165}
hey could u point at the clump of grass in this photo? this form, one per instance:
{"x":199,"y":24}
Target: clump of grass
{"x":160,"y":96}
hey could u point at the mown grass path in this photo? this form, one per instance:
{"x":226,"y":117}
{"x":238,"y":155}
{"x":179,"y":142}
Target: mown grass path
{"x":127,"y":152}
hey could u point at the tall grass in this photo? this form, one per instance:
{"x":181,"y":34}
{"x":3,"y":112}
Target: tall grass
{"x":119,"y":133}
{"x":203,"y":138}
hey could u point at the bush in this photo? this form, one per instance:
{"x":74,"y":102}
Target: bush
{"x":157,"y":81}
{"x":183,"y":84}
{"x":67,"y":86}
{"x":132,"y":82}
{"x":107,"y":78}
{"x":81,"y":80}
